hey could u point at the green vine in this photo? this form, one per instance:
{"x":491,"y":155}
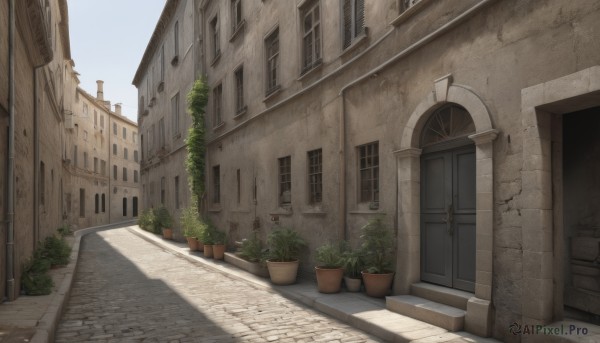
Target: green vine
{"x":195,"y":162}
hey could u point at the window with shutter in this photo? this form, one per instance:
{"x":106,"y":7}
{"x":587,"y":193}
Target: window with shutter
{"x":354,"y":20}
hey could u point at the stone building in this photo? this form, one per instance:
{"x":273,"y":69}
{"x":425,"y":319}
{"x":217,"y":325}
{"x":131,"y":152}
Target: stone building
{"x":101,"y":159}
{"x":468,"y":125}
{"x":163,"y":79}
{"x":34,"y":58}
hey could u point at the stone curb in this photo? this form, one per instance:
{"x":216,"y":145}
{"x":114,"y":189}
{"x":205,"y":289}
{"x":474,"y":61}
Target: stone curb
{"x":356,"y":310}
{"x":46,"y":327}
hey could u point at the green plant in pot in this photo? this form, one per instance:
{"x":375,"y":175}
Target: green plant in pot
{"x":165,"y":222}
{"x":252,"y":250}
{"x":208,"y":239}
{"x":190,"y":223}
{"x":219,"y":240}
{"x":285,"y":246}
{"x":378,"y":249}
{"x":329,"y":269}
{"x":353,"y":265}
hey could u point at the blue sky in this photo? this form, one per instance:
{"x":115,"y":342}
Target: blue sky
{"x":108,"y":39}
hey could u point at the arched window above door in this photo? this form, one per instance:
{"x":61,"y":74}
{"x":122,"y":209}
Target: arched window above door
{"x":447,"y":123}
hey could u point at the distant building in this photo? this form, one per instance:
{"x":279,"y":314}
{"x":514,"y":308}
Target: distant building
{"x":102,"y":161}
{"x":163,"y":79}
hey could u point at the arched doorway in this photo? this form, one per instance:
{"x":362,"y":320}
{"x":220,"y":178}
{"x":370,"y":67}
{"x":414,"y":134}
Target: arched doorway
{"x":448,"y":196}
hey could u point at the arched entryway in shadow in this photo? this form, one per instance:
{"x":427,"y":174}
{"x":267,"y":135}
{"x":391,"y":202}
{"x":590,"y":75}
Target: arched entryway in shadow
{"x":408,"y":264}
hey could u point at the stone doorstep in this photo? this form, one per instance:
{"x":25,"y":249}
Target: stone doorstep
{"x":447,"y":317}
{"x":443,"y":295}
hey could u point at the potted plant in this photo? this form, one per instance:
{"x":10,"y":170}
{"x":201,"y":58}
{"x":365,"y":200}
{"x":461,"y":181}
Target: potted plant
{"x":166,"y":222}
{"x":284,"y":249}
{"x":207,"y":240}
{"x":218,"y":247}
{"x":352,"y":260}
{"x":378,"y":243}
{"x":190,"y":224}
{"x":329,"y":270}
{"x":198,"y":233}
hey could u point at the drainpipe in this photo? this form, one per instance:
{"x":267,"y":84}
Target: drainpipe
{"x":36,"y":160}
{"x":342,"y":151}
{"x":10,"y":273}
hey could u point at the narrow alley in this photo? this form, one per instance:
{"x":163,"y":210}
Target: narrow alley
{"x":128,"y":289}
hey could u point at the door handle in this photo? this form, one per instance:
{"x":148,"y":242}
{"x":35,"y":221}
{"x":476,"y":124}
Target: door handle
{"x":449,"y":219}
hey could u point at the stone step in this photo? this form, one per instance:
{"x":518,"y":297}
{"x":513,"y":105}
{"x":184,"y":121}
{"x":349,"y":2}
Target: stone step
{"x":443,"y":295}
{"x":447,"y":317}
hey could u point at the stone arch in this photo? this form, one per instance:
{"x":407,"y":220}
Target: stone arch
{"x":479,"y":309}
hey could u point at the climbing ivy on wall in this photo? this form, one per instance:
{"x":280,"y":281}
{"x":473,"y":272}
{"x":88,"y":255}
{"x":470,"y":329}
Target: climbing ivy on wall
{"x":195,"y":162}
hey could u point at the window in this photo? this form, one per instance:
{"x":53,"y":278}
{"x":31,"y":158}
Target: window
{"x":354,"y":20}
{"x":272,"y":46}
{"x":115,"y":129}
{"x":236,"y":14}
{"x":239,"y":90}
{"x":103,"y":167}
{"x":95,"y":118}
{"x":125,"y":153}
{"x":214,"y":32}
{"x":176,"y":39}
{"x":96,"y":165}
{"x":103,"y":203}
{"x":96,"y":203}
{"x":81,"y":203}
{"x":162,"y":190}
{"x":406,"y":4}
{"x":85,"y":110}
{"x":114,"y":149}
{"x":124,"y":207}
{"x":311,"y":44}
{"x":85,"y":135}
{"x":177,"y":192}
{"x":135,"y":156}
{"x":315,"y":176}
{"x":369,"y":172}
{"x":285,"y":181}
{"x":42,"y":189}
{"x":217,"y":102}
{"x":75,"y":156}
{"x":124,"y":174}
{"x":161,"y":133}
{"x":175,"y":114}
{"x":102,"y":120}
{"x":216,"y":184}
{"x":162,"y":65}
{"x":136,"y":177}
{"x":124,"y":132}
{"x":134,"y":136}
{"x":114,"y":171}
{"x":85,"y":160}
{"x":68,"y":201}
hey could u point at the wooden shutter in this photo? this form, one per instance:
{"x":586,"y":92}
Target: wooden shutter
{"x":347,"y":18}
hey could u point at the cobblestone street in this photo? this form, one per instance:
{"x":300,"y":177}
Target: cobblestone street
{"x":127,"y":289}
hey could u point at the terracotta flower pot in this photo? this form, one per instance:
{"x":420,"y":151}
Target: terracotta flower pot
{"x":208,"y":250}
{"x":352,"y":284}
{"x":218,"y":251}
{"x":283,"y":273}
{"x":329,"y":280}
{"x":377,"y":285}
{"x":167,"y":233}
{"x":192,"y":243}
{"x":200,"y":245}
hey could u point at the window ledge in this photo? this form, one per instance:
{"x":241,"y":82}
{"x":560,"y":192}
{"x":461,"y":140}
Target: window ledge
{"x":272,"y":93}
{"x":241,"y":113}
{"x":240,"y":210}
{"x":282,"y":211}
{"x":316,"y":66}
{"x":216,"y":58}
{"x":358,"y":41}
{"x":318,"y":213}
{"x":409,"y":12}
{"x":237,"y":30}
{"x":215,"y":209}
{"x":359,"y":212}
{"x":219,"y":126}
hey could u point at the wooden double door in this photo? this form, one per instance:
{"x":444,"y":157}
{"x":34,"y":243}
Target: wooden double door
{"x":448,"y":217}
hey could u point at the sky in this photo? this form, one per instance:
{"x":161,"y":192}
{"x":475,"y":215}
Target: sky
{"x":108,"y":39}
